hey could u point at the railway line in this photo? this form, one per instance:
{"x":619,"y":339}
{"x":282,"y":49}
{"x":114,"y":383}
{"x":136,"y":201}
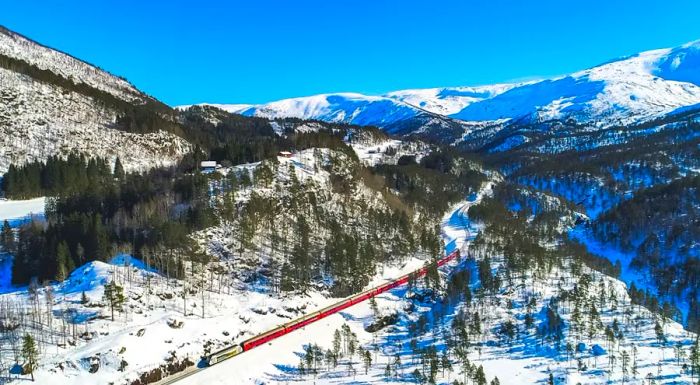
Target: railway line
{"x":289,"y":327}
{"x":299,"y":323}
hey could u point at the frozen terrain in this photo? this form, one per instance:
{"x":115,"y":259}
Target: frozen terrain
{"x":177,"y":319}
{"x":638,"y":358}
{"x":19,"y":209}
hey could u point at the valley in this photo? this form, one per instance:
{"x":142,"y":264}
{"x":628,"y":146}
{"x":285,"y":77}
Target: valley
{"x":542,"y":231}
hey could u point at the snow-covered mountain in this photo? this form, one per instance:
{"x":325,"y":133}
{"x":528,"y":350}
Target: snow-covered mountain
{"x":450,"y":100}
{"x":52,"y":103}
{"x":341,"y":107}
{"x":624,"y":91}
{"x":388,"y":113}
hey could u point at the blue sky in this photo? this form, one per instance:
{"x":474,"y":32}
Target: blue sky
{"x":257,"y":51}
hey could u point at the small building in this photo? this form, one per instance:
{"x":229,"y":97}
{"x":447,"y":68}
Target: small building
{"x":285,"y":154}
{"x":208,"y":166}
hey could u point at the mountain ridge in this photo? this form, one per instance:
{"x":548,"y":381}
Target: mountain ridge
{"x":627,"y":90}
{"x":56,"y":104}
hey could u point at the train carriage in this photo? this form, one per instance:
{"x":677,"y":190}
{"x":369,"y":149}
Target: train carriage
{"x":263,"y":338}
{"x":320,"y":314}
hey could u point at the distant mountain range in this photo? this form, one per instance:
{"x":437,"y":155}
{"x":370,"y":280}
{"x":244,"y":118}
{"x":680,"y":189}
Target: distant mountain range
{"x":625,"y":91}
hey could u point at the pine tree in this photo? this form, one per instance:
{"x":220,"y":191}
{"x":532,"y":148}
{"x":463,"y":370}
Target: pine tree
{"x":417,"y":376}
{"x":63,"y":266}
{"x":114,"y":296}
{"x":7,"y":239}
{"x":80,"y":253}
{"x":374,"y":307}
{"x":445,"y":363}
{"x":118,"y":169}
{"x":625,"y":365}
{"x":695,"y":358}
{"x":659,"y":330}
{"x":480,"y":376}
{"x":337,"y":342}
{"x":29,"y":354}
{"x":594,"y":322}
{"x":367,"y":358}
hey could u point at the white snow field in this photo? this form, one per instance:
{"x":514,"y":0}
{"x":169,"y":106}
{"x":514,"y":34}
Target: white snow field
{"x":18,"y":209}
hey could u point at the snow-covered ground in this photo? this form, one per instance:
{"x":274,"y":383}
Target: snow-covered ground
{"x":19,"y":209}
{"x":526,"y":361}
{"x":373,"y":154}
{"x":156,"y":314}
{"x":276,"y":362}
{"x":40,"y":120}
{"x":231,"y":314}
{"x":158,"y":317}
{"x":456,"y":227}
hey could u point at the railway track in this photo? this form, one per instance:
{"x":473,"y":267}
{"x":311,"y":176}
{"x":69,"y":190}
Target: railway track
{"x":272,"y":334}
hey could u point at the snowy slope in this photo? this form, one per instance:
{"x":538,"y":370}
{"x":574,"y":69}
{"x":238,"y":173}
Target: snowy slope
{"x":230,"y":308}
{"x":232,"y":108}
{"x":399,"y":112}
{"x":625,"y":91}
{"x":449,"y":100}
{"x":17,"y":209}
{"x":17,"y":46}
{"x":40,"y":117}
{"x":342,"y":107}
{"x":528,"y":360}
{"x":38,"y":120}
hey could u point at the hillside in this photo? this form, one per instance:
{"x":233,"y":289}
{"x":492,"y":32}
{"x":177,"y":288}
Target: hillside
{"x":237,"y":250}
{"x":54,"y":104}
{"x":492,"y":318}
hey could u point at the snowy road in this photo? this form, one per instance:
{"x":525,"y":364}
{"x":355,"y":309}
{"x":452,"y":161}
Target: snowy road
{"x":457,"y":229}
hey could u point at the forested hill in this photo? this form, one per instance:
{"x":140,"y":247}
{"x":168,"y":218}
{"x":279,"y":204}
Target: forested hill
{"x":97,"y":208}
{"x":660,"y":226}
{"x":637,"y":185}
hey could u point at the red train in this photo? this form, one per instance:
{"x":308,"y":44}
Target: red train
{"x":289,"y":327}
